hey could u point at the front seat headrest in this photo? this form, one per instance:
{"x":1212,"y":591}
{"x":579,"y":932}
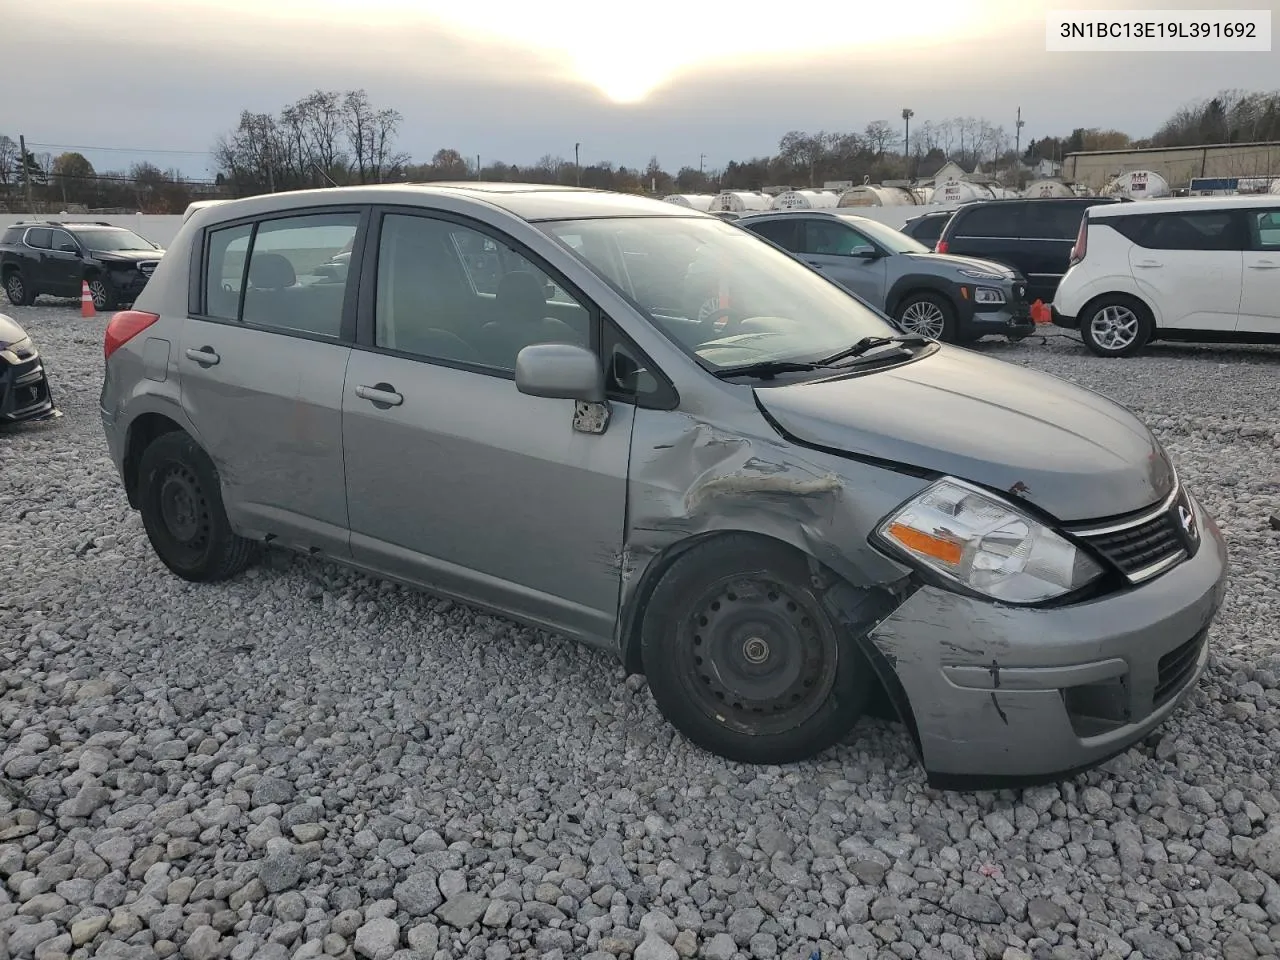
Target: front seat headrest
{"x":271,"y":271}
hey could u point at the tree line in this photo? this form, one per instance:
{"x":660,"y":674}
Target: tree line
{"x":338,"y":138}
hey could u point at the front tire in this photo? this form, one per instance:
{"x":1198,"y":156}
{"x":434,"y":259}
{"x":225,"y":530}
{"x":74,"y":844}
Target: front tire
{"x":104,"y":297}
{"x":928,"y":315}
{"x":1116,"y":326}
{"x":17,"y":290}
{"x":742,"y":658}
{"x":182,"y":511}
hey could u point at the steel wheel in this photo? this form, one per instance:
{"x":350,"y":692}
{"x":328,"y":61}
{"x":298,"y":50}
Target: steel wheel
{"x":756,"y":658}
{"x":101,"y":295}
{"x":184,"y":509}
{"x":1115,"y":327}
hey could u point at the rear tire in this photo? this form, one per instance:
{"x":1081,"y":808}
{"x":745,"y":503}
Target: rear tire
{"x":928,"y":315}
{"x":17,"y":289}
{"x":1116,"y":326}
{"x":742,"y":658}
{"x":181,"y":505}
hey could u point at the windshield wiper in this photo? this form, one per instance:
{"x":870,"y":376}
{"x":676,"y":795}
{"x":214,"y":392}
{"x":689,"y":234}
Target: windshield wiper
{"x":870,"y":343}
{"x":770,"y":368}
{"x":767,"y":368}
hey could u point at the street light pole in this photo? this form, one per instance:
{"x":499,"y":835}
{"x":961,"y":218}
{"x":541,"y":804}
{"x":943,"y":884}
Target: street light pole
{"x":907,"y":114}
{"x":577,"y":165}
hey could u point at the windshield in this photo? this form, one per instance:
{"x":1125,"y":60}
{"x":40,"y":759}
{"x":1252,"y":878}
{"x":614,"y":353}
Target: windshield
{"x":887,"y":237}
{"x":114,"y":240}
{"x":719,"y":292}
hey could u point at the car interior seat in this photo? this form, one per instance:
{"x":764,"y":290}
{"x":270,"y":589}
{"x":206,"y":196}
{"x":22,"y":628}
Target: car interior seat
{"x":520,"y":309}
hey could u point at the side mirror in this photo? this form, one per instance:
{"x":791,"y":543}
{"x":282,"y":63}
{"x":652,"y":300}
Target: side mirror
{"x":66,"y":247}
{"x":865,"y":253}
{"x":560,"y":371}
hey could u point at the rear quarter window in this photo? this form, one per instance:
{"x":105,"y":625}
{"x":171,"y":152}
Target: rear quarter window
{"x":12,"y":235}
{"x":1199,"y":230}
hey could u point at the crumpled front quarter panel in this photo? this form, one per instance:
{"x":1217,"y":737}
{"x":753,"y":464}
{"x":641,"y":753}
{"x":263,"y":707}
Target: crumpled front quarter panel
{"x":690,"y":477}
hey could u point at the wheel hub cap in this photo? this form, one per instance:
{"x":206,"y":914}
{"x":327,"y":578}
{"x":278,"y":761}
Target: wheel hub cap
{"x":755,"y":650}
{"x":924,"y":319}
{"x":1114,"y":327}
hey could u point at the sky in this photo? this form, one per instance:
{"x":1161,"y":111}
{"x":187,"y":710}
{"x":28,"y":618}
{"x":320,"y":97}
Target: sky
{"x":158,"y":80}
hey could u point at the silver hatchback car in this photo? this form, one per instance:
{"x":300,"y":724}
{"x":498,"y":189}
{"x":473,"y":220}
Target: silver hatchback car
{"x":642,"y":427}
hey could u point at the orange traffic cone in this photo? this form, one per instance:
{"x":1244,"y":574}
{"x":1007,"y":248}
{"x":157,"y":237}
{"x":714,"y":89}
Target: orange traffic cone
{"x":86,"y":300}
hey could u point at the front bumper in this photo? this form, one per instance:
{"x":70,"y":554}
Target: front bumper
{"x":24,"y":390}
{"x":1011,"y":318}
{"x":1002,"y":696}
{"x":127,"y":284}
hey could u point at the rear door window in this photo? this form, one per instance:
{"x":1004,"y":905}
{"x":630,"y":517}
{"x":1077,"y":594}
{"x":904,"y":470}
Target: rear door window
{"x":782,"y":232}
{"x":1046,"y":220}
{"x":1198,"y":230}
{"x":39,"y":237}
{"x":997,"y":220}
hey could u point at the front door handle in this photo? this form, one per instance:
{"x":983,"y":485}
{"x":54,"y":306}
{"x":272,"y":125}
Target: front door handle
{"x":1148,"y":263}
{"x":205,"y":356}
{"x":381,"y":395}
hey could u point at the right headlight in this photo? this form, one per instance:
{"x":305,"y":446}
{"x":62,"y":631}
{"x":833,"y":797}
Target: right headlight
{"x":986,"y":545}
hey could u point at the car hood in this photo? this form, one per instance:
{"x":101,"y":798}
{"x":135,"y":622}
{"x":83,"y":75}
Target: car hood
{"x":965,"y":263}
{"x":128,"y":256}
{"x":10,"y":331}
{"x":1071,"y":452}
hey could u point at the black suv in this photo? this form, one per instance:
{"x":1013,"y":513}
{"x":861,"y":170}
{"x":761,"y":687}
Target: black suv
{"x":1034,"y":236}
{"x":45,"y":256}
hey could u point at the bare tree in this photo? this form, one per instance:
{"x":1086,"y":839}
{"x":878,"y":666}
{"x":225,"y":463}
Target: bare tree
{"x":9,"y":163}
{"x":878,"y":135}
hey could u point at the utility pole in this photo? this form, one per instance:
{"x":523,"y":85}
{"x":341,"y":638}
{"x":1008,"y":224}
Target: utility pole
{"x":26,"y":171}
{"x":477,"y":166}
{"x":907,"y":114}
{"x":702,"y":163}
{"x":1017,"y":149}
{"x":577,"y":165}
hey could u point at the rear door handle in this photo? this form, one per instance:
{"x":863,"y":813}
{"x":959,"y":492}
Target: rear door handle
{"x":1264,"y":265}
{"x":381,"y":395}
{"x":1148,"y":263}
{"x":205,"y":356}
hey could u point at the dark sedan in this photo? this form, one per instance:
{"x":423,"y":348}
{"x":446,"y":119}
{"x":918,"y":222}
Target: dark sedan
{"x":24,"y":385}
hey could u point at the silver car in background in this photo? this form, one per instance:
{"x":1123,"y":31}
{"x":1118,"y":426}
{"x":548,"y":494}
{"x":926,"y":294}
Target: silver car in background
{"x":642,"y":427}
{"x":949,"y":298}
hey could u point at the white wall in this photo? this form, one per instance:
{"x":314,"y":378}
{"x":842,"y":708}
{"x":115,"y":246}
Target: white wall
{"x":157,"y":228}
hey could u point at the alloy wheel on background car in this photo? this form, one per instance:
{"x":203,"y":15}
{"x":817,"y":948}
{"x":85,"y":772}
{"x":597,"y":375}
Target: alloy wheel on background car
{"x":1114,"y":327}
{"x":925,"y":318}
{"x":101,"y":295}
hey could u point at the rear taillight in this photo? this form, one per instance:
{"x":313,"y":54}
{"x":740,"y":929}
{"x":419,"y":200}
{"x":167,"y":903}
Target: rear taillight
{"x":123,"y":327}
{"x":940,"y":247}
{"x":1082,"y":242}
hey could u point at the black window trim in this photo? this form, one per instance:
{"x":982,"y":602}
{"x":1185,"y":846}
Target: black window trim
{"x":197,"y":292}
{"x":368,"y":292}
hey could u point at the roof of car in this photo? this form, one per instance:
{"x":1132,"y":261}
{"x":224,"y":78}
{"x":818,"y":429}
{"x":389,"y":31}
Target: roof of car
{"x":1182,"y":204}
{"x":73,"y":224}
{"x":529,"y":201}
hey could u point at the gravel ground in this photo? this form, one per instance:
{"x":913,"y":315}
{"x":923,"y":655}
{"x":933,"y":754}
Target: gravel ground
{"x":308,"y":763}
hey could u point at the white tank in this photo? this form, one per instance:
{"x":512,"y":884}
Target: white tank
{"x":739,"y":201}
{"x":805,"y":200}
{"x":923,"y":194}
{"x":872,"y":195}
{"x":1137,"y":185}
{"x":1275,"y":186}
{"x":697,"y":201}
{"x":1081,"y":189}
{"x":961,"y":191}
{"x":1047,"y":188}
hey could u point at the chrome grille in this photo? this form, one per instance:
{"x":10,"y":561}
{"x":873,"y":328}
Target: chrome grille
{"x":1146,"y":545}
{"x":147,"y":267}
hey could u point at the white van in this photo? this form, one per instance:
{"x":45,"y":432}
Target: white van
{"x":1201,"y":269}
